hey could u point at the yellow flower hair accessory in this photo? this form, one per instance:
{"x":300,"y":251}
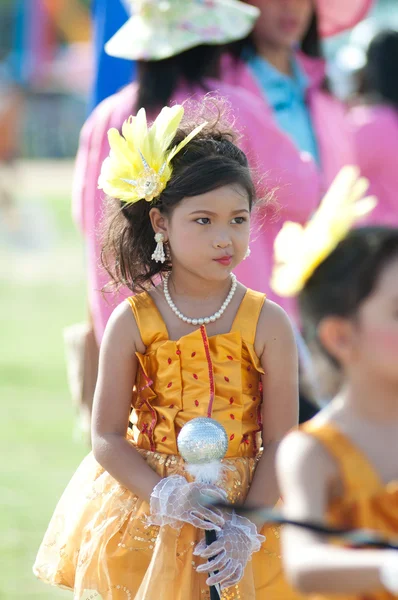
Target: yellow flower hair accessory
{"x":138,"y":166}
{"x":299,"y":250}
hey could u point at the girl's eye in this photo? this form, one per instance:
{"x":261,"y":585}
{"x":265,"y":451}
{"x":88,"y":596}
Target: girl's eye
{"x":203,"y":221}
{"x":239,"y":220}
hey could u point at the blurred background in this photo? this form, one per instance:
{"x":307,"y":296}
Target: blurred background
{"x":52,"y":73}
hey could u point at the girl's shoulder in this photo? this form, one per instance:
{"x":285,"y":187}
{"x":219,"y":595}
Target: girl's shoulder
{"x":304,"y":457}
{"x":274,"y":326}
{"x":122,"y":329}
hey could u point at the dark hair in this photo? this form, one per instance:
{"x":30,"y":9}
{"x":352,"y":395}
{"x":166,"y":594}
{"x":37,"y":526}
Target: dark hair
{"x":209,"y":161}
{"x":343,"y":281}
{"x":310,"y":44}
{"x":159,"y":79}
{"x":380,"y":80}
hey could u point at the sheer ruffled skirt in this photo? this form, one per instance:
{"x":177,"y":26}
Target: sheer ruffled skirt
{"x":99,"y":545}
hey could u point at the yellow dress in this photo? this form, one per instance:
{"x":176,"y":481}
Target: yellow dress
{"x":98,"y":543}
{"x":366,"y":502}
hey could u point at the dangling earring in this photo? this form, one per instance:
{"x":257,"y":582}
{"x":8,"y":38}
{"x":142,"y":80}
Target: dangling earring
{"x":248,"y":252}
{"x":159,"y":255}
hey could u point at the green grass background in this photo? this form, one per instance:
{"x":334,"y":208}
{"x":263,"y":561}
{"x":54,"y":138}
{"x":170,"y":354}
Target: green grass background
{"x":38,"y":447}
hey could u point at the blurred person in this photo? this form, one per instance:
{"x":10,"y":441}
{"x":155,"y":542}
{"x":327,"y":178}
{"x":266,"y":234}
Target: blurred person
{"x":342,"y":468}
{"x":191,"y":342}
{"x":282,"y":63}
{"x":374,"y":124}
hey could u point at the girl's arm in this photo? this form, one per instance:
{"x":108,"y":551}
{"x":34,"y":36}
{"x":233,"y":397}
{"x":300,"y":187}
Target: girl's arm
{"x":276,"y":345}
{"x":305,"y":473}
{"x":112,"y":405}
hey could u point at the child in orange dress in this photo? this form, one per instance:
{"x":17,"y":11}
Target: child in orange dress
{"x":193,"y":343}
{"x":342,"y":466}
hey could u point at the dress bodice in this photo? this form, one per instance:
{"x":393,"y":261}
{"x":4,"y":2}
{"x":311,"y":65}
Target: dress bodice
{"x":197,"y":376}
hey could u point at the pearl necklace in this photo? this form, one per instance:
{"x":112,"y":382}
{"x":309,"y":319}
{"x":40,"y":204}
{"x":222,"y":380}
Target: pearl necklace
{"x":205,"y":320}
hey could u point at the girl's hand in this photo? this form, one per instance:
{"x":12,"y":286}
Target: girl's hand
{"x":235,"y":544}
{"x":174,"y":502}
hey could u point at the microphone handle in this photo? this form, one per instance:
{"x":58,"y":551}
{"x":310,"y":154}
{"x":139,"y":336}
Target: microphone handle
{"x":211,"y":537}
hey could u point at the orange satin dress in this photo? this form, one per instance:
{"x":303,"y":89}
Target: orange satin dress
{"x":98,"y":543}
{"x":366,"y":503}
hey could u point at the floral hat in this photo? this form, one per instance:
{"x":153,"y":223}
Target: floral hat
{"x":159,"y":29}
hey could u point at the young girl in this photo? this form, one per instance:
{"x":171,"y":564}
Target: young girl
{"x":196,"y":344}
{"x":343,"y":465}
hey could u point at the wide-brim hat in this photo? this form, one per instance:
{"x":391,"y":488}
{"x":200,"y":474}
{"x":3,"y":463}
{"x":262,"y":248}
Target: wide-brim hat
{"x":159,"y":29}
{"x":336,"y":16}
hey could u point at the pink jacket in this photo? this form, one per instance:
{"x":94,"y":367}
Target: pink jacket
{"x":297,"y":180}
{"x":375,"y":133}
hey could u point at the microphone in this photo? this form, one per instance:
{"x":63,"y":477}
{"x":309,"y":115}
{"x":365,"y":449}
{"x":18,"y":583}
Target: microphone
{"x":203,"y":443}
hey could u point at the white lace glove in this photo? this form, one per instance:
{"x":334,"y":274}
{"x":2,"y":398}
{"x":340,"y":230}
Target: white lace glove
{"x":235,"y":544}
{"x":389,"y":571}
{"x":174,"y":502}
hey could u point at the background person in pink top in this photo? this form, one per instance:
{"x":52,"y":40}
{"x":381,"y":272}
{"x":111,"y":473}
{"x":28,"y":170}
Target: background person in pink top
{"x":281,"y":64}
{"x":189,"y":71}
{"x":374,"y":126}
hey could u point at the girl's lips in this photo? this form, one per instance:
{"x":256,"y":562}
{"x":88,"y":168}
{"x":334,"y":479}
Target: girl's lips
{"x":289,"y":24}
{"x":224,"y":260}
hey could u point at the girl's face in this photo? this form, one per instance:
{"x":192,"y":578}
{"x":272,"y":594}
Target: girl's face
{"x":374,"y":338}
{"x":282,"y":23}
{"x":208,"y":234}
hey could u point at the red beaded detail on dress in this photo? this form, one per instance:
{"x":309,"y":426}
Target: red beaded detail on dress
{"x":210,"y":367}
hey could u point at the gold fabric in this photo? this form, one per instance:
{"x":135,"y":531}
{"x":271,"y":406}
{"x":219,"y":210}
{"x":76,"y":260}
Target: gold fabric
{"x":98,"y":543}
{"x":366,"y":502}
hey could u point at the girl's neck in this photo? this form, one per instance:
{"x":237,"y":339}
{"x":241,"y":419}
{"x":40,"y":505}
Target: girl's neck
{"x":373,"y":401}
{"x":278,"y":57}
{"x":191,"y":287}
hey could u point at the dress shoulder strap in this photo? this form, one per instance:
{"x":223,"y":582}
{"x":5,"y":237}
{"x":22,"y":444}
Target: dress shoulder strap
{"x":248,"y":314}
{"x":358,"y":474}
{"x":151,"y":326}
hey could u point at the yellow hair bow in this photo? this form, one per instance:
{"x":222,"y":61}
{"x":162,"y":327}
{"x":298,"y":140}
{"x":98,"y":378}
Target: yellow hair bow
{"x":299,"y":250}
{"x":138,"y":166}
